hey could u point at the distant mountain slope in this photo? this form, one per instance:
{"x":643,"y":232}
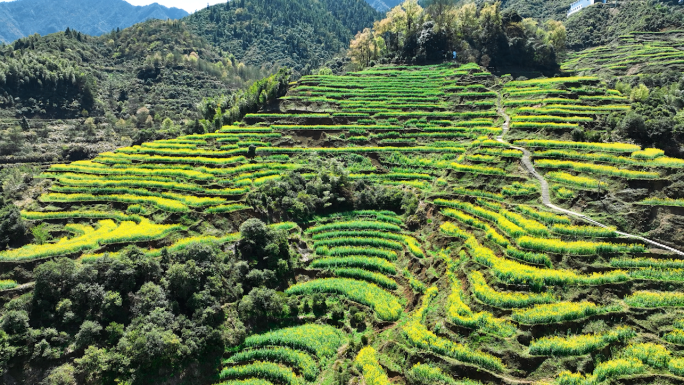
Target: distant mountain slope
{"x":94,"y":17}
{"x":601,"y":24}
{"x":140,"y":83}
{"x":384,"y":5}
{"x":540,"y":9}
{"x":300,"y":34}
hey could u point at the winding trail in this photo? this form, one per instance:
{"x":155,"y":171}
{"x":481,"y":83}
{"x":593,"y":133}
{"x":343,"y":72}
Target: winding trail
{"x":546,"y":196}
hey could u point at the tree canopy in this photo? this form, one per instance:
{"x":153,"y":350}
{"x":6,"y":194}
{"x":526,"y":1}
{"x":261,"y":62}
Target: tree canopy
{"x":482,"y":34}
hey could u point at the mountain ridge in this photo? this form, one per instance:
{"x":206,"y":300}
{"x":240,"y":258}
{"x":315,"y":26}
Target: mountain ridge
{"x":94,"y":17}
{"x":298,"y":34}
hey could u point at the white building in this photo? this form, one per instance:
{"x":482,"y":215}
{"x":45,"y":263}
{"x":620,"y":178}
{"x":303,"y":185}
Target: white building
{"x":581,"y":4}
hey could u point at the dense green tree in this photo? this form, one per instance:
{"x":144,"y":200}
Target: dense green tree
{"x":160,"y":314}
{"x":374,"y":197}
{"x":61,"y":375}
{"x":12,"y":227}
{"x":87,"y":334}
{"x":295,"y":197}
{"x":634,"y":126}
{"x":482,"y":34}
{"x":260,"y":306}
{"x":225,"y":110}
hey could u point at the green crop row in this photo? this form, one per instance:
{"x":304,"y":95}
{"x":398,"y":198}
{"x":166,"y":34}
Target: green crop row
{"x":649,"y":299}
{"x":647,"y":262}
{"x":539,"y":126}
{"x":352,"y":150}
{"x":501,"y":152}
{"x":529,"y":225}
{"x":97,"y":185}
{"x":89,"y":214}
{"x":587,"y":146}
{"x":338,"y":127}
{"x":373,"y":374}
{"x":354,"y":225}
{"x":579,"y":345}
{"x":663,"y":161}
{"x":584,"y":231}
{"x":475,"y":169}
{"x":183,"y":152}
{"x":398,"y":141}
{"x":161,"y":144}
{"x":188,"y":200}
{"x":342,"y":251}
{"x":517,"y":189}
{"x":420,"y":336}
{"x":548,"y":218}
{"x":577,"y":247}
{"x":576,"y":181}
{"x":516,"y":273}
{"x":424,"y":114}
{"x":557,"y":312}
{"x":603,"y":371}
{"x":161,"y":203}
{"x":471,"y":221}
{"x":529,"y":257}
{"x":596,"y":169}
{"x":223,"y":209}
{"x":478,"y":193}
{"x":385,"y":305}
{"x":369,"y":276}
{"x":302,"y":361}
{"x":7,"y":284}
{"x":648,"y":154}
{"x":320,"y":340}
{"x":460,"y":314}
{"x":89,"y":167}
{"x":482,"y":291}
{"x":361,"y":262}
{"x":425,"y":374}
{"x":551,"y":118}
{"x":663,"y":202}
{"x":232,"y":130}
{"x":658,"y":274}
{"x":391,"y":176}
{"x":359,"y":241}
{"x":88,"y":238}
{"x":502,"y":222}
{"x":552,"y":81}
{"x":278,"y":116}
{"x":365,"y":234}
{"x":111,"y":158}
{"x":259,"y":369}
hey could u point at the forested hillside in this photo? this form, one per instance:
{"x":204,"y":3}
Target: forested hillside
{"x":601,"y":24}
{"x":539,"y":9}
{"x":299,"y":34}
{"x":21,"y":18}
{"x":76,"y":95}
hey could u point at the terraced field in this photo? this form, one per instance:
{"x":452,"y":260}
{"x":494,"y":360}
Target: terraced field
{"x":636,"y":52}
{"x":490,"y":286}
